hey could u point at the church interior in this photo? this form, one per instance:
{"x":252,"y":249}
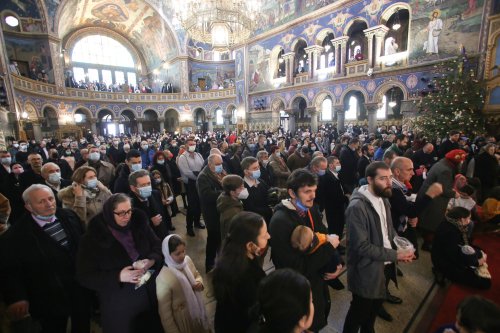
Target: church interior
{"x":114,"y":67}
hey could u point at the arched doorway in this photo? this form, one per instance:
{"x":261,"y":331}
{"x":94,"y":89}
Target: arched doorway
{"x":171,"y":120}
{"x":129,"y":122}
{"x":50,"y":122}
{"x":391,"y":104}
{"x":357,"y":45}
{"x":105,"y":125}
{"x":354,"y":106}
{"x":200,"y":119}
{"x":82,"y":119}
{"x":150,"y":122}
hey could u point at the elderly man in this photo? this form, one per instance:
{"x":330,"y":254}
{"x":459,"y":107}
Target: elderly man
{"x":190,"y":164}
{"x":263,"y":158}
{"x":105,"y":170}
{"x":38,"y":272}
{"x":84,"y":152}
{"x":51,"y":173}
{"x":209,"y":186}
{"x":33,"y":174}
{"x":149,"y":201}
{"x":66,"y":171}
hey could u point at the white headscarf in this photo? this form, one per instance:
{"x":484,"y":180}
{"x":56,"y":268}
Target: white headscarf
{"x":183,"y":273}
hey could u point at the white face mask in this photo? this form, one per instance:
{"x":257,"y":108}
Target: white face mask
{"x":243,"y":194}
{"x":191,"y":149}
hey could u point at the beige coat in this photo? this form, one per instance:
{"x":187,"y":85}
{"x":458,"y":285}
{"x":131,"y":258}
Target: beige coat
{"x":172,"y":304}
{"x":85,"y":208}
{"x":106,"y":172}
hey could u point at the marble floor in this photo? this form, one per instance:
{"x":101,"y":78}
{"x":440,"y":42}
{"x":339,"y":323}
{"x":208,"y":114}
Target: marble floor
{"x":416,"y":288}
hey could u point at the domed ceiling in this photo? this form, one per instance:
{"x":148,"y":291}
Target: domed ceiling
{"x":135,"y":19}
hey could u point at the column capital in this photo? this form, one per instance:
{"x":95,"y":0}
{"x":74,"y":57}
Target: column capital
{"x":314,"y":48}
{"x":340,"y":40}
{"x":162,"y":119}
{"x":288,"y":55}
{"x":379,"y":30}
{"x":312,"y":110}
{"x":290,"y":112}
{"x":339,"y":108}
{"x":371,"y":107}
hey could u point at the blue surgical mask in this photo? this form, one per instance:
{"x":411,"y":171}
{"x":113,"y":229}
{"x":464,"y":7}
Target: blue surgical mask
{"x":338,"y":168}
{"x":94,"y":156}
{"x":251,"y":145}
{"x":300,"y":205}
{"x":144,"y":147}
{"x":6,"y":160}
{"x":55,"y":177}
{"x":256,"y":174}
{"x":321,"y":172}
{"x":136,"y":167}
{"x":92,"y":183}
{"x":218,"y":169}
{"x":157,"y":180}
{"x":160,"y":162}
{"x":145,"y":192}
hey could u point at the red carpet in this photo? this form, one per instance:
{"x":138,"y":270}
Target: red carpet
{"x":490,"y":243}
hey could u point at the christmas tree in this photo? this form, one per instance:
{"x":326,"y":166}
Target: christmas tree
{"x":453,"y":101}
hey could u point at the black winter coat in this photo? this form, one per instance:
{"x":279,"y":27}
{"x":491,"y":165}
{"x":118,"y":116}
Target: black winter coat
{"x":100,"y":259}
{"x":283,"y":222}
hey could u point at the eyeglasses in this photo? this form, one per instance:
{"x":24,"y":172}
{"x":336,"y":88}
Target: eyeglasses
{"x":124,"y":213}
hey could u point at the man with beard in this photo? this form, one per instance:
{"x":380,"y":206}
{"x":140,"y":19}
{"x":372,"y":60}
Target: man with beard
{"x":371,"y":254}
{"x":367,"y":150}
{"x":400,"y":145}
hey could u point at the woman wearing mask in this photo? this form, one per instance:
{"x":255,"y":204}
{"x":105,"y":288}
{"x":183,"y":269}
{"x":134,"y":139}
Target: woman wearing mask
{"x":228,"y":203}
{"x":279,"y":169}
{"x":115,"y":258}
{"x":160,"y":164}
{"x":238,"y":272}
{"x":167,"y":195}
{"x":86,"y":196}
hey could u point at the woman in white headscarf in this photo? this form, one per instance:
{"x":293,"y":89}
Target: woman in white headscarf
{"x":179,"y":289}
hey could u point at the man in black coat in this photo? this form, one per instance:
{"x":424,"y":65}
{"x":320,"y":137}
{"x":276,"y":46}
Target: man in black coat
{"x":149,"y":201}
{"x":450,"y":143}
{"x":132,"y":163}
{"x":349,"y":160}
{"x":336,"y":200}
{"x":367,"y":150}
{"x":209,"y":187}
{"x":37,"y":270}
{"x":32,"y":175}
{"x":301,"y":211}
{"x":9,"y":187}
{"x":263,"y":158}
{"x":257,"y":200}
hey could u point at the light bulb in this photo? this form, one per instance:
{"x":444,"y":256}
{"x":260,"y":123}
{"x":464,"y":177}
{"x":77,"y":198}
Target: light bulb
{"x":396,"y":26}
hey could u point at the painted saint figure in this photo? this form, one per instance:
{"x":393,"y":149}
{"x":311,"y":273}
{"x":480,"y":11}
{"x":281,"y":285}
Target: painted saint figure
{"x":434,"y":29}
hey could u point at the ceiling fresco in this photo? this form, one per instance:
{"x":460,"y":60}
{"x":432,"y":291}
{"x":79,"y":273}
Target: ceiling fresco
{"x":135,"y":19}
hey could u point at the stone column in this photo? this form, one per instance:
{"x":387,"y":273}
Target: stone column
{"x":184,"y":79}
{"x":289,"y":66}
{"x":291,"y":121}
{"x":342,"y":44}
{"x":210,"y":120}
{"x":314,"y":53}
{"x":93,"y":126}
{"x":57,"y":64}
{"x":380,"y":32}
{"x":314,"y":118}
{"x":371,"y":109}
{"x":37,"y":130}
{"x":337,"y":47}
{"x":162,"y":124}
{"x":339,"y":110}
{"x":139,"y":126}
{"x":227,"y":118}
{"x":369,"y":36}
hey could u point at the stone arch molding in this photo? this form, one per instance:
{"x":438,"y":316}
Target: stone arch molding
{"x":381,"y":90}
{"x":322,"y":35}
{"x":354,"y":88}
{"x":292,"y":100}
{"x":229,"y":108}
{"x":149,"y":109}
{"x":84,"y":109}
{"x":320,"y":97}
{"x":351,"y":22}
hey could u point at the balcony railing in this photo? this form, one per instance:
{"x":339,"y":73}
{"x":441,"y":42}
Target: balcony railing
{"x":50,"y":89}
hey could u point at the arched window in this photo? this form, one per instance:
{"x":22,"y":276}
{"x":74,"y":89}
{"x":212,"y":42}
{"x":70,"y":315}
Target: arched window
{"x":352,"y":112}
{"x":382,"y":112}
{"x":219,"y":120}
{"x":234,"y":118}
{"x":327,"y":58}
{"x":281,"y":65}
{"x":326,"y":109}
{"x":98,"y":58}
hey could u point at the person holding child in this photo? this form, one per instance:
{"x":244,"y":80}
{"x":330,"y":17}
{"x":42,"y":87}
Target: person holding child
{"x":179,"y":289}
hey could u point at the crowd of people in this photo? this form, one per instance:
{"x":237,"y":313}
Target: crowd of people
{"x":92,"y":216}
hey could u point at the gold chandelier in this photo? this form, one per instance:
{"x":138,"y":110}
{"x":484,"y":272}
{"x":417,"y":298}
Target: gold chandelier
{"x":221,"y":23}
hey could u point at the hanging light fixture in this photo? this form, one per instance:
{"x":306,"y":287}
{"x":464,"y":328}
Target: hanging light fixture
{"x":397,"y":24}
{"x":221,"y":23}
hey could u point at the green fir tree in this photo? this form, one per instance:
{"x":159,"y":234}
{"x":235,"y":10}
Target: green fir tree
{"x":454,"y":101}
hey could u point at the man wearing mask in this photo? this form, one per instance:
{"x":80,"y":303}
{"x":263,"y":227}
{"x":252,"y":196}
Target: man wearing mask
{"x":335,"y":199}
{"x":51,"y":173}
{"x":318,"y":167}
{"x":116,"y":153}
{"x":349,"y":160}
{"x":174,"y":149}
{"x":105,"y":170}
{"x":132,"y":163}
{"x":263,"y":158}
{"x":38,"y":272}
{"x":299,"y":159}
{"x":66,"y":171}
{"x":257,"y":200}
{"x":32,"y":175}
{"x":300,"y":210}
{"x":14,"y":148}
{"x":147,"y":154}
{"x":8,"y":186}
{"x":43,"y":150}
{"x":209,"y":187}
{"x":22,"y":154}
{"x":190,"y":164}
{"x":149,"y":201}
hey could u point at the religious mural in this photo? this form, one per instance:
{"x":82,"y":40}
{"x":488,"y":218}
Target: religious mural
{"x":210,"y":76}
{"x":440,"y":28}
{"x":23,"y":8}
